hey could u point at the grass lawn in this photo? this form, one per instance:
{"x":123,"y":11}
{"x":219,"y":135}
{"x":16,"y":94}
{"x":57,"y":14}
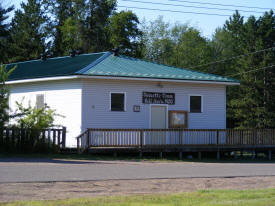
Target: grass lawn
{"x":261,"y":197}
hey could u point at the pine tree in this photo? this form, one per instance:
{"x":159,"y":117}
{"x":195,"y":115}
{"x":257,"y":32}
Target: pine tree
{"x":125,"y":34}
{"x":67,"y":18}
{"x":28,"y":31}
{"x":251,"y":105}
{"x":4,"y":33}
{"x":4,"y":95}
{"x":95,"y":26}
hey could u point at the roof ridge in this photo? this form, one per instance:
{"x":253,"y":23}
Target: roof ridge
{"x":181,"y":68}
{"x":88,"y":67}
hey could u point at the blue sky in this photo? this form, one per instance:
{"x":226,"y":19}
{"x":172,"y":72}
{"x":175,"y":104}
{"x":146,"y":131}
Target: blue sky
{"x":205,"y":23}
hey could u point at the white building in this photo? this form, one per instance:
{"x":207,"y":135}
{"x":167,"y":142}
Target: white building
{"x":102,"y":90}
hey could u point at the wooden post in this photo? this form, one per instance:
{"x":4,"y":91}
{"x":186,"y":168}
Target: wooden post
{"x":88,"y":141}
{"x":253,"y":154}
{"x":49,"y":138}
{"x":1,"y":136}
{"x":269,"y":155}
{"x":58,"y":137}
{"x":218,"y":155}
{"x":64,"y":130}
{"x":7,"y":137}
{"x":13,"y":137}
{"x":235,"y":155}
{"x":141,"y":139}
{"x":43,"y":136}
{"x":54,"y":137}
{"x":180,"y":155}
{"x":199,"y":155}
{"x":217,"y":140}
{"x":78,"y":145}
{"x":180,"y":136}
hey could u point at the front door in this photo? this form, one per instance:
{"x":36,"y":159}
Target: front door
{"x":158,"y":121}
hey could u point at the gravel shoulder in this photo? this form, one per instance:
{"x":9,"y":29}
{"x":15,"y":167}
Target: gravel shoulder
{"x":63,"y":190}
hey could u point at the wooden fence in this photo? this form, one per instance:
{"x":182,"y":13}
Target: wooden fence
{"x":18,"y":137}
{"x":174,"y":137}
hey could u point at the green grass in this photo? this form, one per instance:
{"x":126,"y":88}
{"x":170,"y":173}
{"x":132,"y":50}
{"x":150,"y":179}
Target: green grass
{"x":263,"y":197}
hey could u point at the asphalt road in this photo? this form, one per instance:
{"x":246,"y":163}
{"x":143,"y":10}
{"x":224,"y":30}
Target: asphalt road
{"x":47,"y":170}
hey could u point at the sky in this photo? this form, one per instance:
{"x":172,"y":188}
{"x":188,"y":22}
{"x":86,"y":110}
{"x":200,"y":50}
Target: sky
{"x":207,"y":24}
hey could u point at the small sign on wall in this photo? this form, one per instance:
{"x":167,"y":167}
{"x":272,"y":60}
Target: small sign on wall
{"x":136,"y":108}
{"x":158,"y":98}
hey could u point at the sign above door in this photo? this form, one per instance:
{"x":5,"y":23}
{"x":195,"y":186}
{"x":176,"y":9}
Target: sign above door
{"x":158,"y":98}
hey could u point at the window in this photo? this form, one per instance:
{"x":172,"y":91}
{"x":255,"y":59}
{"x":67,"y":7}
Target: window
{"x":40,"y":101}
{"x":196,"y":104}
{"x":118,"y":102}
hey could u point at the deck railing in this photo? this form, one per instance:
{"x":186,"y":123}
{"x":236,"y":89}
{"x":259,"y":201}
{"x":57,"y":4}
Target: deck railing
{"x":174,"y":137}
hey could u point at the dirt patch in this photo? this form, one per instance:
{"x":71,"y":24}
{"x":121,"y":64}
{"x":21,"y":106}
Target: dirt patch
{"x":63,"y":190}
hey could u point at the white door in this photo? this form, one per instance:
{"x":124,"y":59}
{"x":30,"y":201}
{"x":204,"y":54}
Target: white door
{"x":158,"y":121}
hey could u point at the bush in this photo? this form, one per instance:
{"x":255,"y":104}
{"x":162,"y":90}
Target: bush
{"x":27,"y":134}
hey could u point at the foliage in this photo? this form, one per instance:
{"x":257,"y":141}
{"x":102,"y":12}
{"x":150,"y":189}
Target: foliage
{"x":4,"y":95}
{"x":28,"y":130}
{"x":4,"y":32}
{"x":28,"y":31}
{"x":71,"y":38}
{"x":178,"y":45}
{"x":34,"y":118}
{"x":95,"y":27}
{"x":67,"y":18}
{"x":251,"y":105}
{"x":125,"y":34}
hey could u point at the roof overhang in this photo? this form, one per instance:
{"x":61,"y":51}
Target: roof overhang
{"x":44,"y":79}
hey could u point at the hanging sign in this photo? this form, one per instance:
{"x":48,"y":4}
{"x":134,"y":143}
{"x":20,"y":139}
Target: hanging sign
{"x":158,"y":98}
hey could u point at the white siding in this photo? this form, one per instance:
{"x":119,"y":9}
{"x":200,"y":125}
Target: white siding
{"x":86,"y":103}
{"x":96,"y":105}
{"x":63,"y":96}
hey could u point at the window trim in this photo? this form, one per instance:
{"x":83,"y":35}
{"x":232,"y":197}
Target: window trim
{"x":202,"y":102}
{"x":110,"y":101}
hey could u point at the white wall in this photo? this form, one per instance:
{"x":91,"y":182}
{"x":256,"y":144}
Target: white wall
{"x":96,"y":104}
{"x":63,"y":96}
{"x":67,"y":97}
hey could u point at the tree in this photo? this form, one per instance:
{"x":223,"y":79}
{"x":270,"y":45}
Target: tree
{"x":95,"y":25}
{"x":177,"y":45}
{"x":190,"y":47}
{"x":71,"y":38}
{"x":67,"y":19}
{"x":28,"y":31}
{"x":251,"y":105}
{"x":125,"y":34}
{"x":158,"y":45}
{"x":4,"y":32}
{"x":4,"y":95}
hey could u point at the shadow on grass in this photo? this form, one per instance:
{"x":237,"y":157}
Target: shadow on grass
{"x":110,"y":159}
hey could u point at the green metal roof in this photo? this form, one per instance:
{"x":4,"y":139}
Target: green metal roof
{"x":108,"y":65}
{"x":59,"y":66}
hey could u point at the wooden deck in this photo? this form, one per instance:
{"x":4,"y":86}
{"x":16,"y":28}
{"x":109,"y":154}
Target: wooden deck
{"x":176,"y":140}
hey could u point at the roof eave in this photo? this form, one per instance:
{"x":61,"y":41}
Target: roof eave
{"x":118,"y":78}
